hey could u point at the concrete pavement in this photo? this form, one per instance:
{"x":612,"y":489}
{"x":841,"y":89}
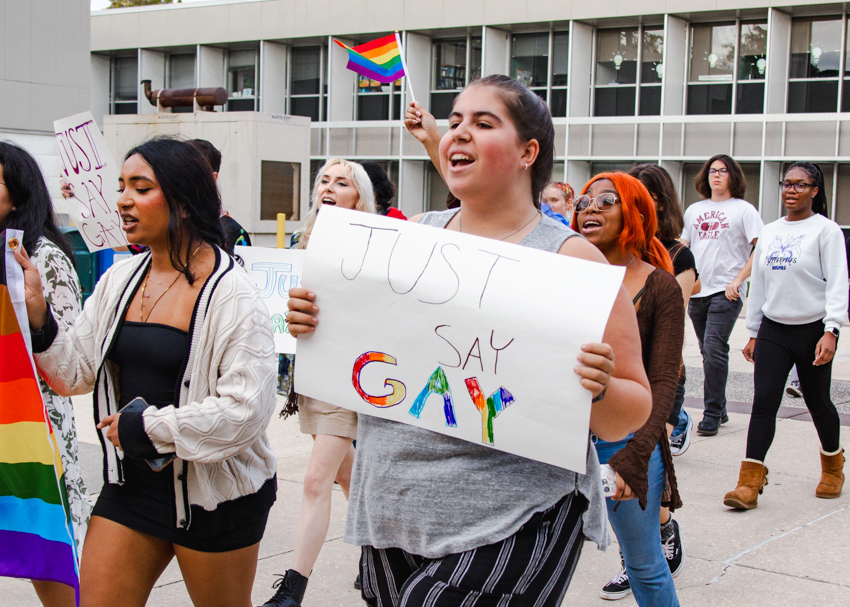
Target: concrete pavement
{"x":792,"y":550}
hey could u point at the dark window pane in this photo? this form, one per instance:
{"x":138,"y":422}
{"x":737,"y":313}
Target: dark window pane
{"x":540,"y":93}
{"x":616,"y":56}
{"x":560,"y":58}
{"x":125,"y":108}
{"x":615,"y":101}
{"x":240,"y":105}
{"x":750,"y":98}
{"x":752,"y":56}
{"x":306,"y":71}
{"x":530,"y":58}
{"x":812,"y":96}
{"x":441,"y":104}
{"x":280,"y":189}
{"x":397,"y":113}
{"x":845,"y":101}
{"x":126,"y":84}
{"x":650,"y":100}
{"x":450,"y":70}
{"x":558,"y":106}
{"x":815,"y":48}
{"x":653,"y":52}
{"x":305,"y":106}
{"x":710,"y":99}
{"x":373,"y":107}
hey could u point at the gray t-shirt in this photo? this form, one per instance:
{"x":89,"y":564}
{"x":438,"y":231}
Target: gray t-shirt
{"x":433,"y":495}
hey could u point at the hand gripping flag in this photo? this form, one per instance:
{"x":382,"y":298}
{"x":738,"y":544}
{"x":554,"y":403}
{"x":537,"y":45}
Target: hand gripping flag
{"x":36,"y":535}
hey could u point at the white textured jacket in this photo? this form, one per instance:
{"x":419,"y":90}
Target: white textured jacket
{"x":227,"y":393}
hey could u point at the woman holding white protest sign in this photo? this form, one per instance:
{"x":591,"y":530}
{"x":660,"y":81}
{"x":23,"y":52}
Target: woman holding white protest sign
{"x":25,"y":205}
{"x":178,"y":348}
{"x":615,"y":212}
{"x":519,"y":532}
{"x":344,"y":184}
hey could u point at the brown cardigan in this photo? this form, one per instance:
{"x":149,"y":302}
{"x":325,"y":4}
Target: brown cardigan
{"x":661,"y":322}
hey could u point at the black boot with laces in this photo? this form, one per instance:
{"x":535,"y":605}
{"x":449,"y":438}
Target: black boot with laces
{"x":290,"y":589}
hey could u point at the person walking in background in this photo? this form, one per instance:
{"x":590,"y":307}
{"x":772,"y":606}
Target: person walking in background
{"x":557,"y":201}
{"x":670,"y":224}
{"x":383,"y":188}
{"x":798,"y":303}
{"x":181,"y":335}
{"x":346,"y":185}
{"x":25,"y":205}
{"x":523,"y":547}
{"x":721,"y":231}
{"x":616,"y":214}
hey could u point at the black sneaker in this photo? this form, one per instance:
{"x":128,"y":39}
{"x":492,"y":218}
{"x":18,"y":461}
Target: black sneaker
{"x":708,"y":427}
{"x":357,"y":584}
{"x":671,"y":545}
{"x":619,"y":586}
{"x":679,"y":443}
{"x":290,"y":588}
{"x":793,"y":389}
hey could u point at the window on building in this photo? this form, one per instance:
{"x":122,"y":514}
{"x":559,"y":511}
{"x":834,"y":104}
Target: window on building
{"x":455,"y":63}
{"x":727,"y":68}
{"x":242,"y":81}
{"x":629,"y":71}
{"x":181,"y":75}
{"x":307,"y":83}
{"x":531,"y":65}
{"x":125,"y":85}
{"x":815,"y":63}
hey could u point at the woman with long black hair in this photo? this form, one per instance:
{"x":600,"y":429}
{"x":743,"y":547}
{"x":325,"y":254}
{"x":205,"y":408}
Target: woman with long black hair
{"x":798,"y":302}
{"x":25,"y":205}
{"x":177,"y":346}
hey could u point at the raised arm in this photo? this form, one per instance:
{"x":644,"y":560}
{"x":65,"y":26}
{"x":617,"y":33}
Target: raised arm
{"x":423,"y":126}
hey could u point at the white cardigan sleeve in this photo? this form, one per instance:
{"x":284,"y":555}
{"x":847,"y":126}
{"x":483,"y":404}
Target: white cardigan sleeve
{"x":240,"y":383}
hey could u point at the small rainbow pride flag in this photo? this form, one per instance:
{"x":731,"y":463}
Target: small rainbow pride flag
{"x":379,"y":59}
{"x":36,"y":535}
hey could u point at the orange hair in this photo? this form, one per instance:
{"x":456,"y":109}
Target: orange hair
{"x":638,"y":236}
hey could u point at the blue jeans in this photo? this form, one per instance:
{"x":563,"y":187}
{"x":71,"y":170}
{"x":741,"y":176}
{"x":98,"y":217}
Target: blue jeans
{"x":714,"y":318}
{"x":639,"y":534}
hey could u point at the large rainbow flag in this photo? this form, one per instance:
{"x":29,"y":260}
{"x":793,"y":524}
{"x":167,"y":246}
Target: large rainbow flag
{"x":379,"y":59}
{"x":36,"y":535}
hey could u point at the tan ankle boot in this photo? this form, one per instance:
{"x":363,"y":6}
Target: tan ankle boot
{"x":751,"y":482}
{"x":832,"y":475}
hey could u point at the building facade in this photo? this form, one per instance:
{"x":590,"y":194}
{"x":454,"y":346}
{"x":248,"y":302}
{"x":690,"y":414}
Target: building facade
{"x":672,"y":81}
{"x":44,"y":75}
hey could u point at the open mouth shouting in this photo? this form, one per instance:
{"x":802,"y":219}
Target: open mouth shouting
{"x":329,"y":201}
{"x":459,"y":160}
{"x":128,"y":222}
{"x":590,"y":226}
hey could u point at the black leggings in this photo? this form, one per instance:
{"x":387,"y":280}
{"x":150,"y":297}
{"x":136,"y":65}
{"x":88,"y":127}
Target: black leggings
{"x":778,"y":348}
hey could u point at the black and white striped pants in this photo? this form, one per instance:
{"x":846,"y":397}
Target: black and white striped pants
{"x":533,"y":567}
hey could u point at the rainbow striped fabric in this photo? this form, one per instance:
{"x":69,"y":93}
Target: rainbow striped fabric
{"x":379,"y":59}
{"x":36,"y":536}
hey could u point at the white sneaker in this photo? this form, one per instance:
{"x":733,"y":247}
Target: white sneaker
{"x":680,"y":442}
{"x":793,"y":389}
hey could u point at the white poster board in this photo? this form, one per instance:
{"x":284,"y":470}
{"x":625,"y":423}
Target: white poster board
{"x":466,"y":336}
{"x":274,"y":271}
{"x":88,"y":165}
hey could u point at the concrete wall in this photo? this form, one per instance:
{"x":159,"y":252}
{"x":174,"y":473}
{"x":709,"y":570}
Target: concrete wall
{"x":220,"y":21}
{"x":44,"y":62}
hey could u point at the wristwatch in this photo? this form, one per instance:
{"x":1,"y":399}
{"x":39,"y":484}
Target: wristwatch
{"x":834,"y":331}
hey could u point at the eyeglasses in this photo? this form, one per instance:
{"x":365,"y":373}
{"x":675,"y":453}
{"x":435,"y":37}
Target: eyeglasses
{"x":718,"y":171}
{"x":603,"y":202}
{"x":798,"y":187}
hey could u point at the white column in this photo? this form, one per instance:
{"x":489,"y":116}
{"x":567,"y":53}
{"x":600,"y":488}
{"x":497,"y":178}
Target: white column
{"x":776,"y":72}
{"x":100,"y":71}
{"x":675,"y":66}
{"x":273,"y":77}
{"x":579,"y":71}
{"x":151,"y":67}
{"x":417,"y":55}
{"x":411,"y":196}
{"x":211,"y":67}
{"x":341,"y":83}
{"x":770,"y":203}
{"x":495,"y":52}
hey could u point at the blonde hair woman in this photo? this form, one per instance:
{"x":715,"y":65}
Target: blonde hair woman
{"x":344,"y":184}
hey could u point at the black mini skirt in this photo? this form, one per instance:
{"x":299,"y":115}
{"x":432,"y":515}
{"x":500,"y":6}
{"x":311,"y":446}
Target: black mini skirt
{"x":145,"y":503}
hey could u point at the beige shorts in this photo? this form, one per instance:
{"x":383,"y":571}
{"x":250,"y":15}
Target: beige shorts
{"x":317,"y":417}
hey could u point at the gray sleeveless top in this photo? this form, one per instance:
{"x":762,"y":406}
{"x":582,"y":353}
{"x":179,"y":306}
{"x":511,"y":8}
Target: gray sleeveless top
{"x":433,"y":495}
